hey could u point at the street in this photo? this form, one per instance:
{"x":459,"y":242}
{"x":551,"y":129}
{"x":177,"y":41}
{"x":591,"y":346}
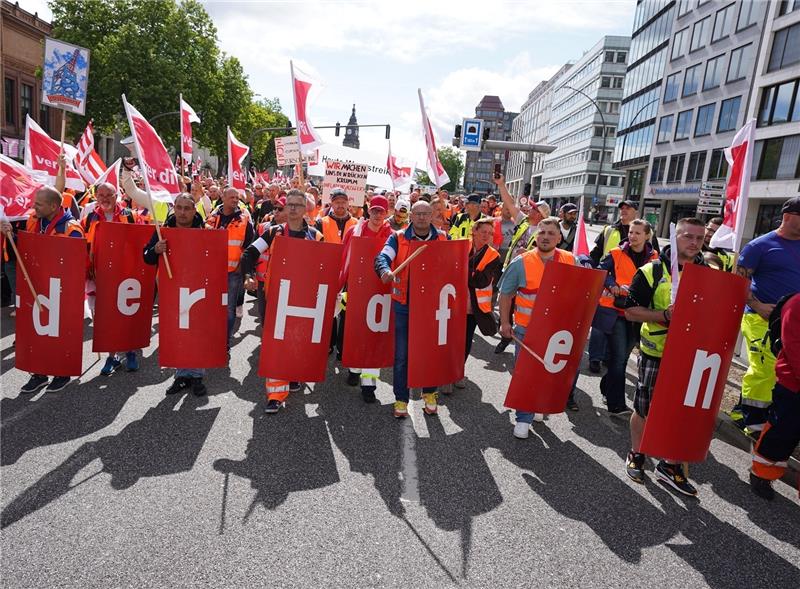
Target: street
{"x":110,"y":483}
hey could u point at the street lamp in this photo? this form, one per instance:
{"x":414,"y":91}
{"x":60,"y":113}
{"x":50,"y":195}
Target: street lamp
{"x":603,"y":152}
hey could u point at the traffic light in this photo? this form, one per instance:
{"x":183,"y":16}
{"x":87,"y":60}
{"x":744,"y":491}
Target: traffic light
{"x":486,"y":133}
{"x":337,"y":129}
{"x":388,"y":131}
{"x":457,"y":133}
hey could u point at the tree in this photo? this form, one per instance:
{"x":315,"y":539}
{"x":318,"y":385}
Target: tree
{"x":257,"y":115}
{"x":453,"y":164}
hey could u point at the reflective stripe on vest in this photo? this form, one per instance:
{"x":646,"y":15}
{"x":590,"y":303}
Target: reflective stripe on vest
{"x":330,"y":229}
{"x":237,"y":230}
{"x":611,"y":239}
{"x":624,"y":270}
{"x":518,"y":233}
{"x":462,"y":227}
{"x":32,"y":226}
{"x":534,"y":270}
{"x":654,"y":335}
{"x":400,"y":288}
{"x":484,"y":295}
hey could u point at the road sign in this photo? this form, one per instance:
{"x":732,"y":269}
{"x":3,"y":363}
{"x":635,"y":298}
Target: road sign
{"x":709,"y":210}
{"x":471,"y":133}
{"x":711,"y":202}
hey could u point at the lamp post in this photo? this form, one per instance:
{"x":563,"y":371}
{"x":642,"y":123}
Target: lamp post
{"x":603,"y":152}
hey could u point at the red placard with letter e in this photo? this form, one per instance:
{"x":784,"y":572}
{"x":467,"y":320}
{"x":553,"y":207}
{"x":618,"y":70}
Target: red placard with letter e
{"x":560,"y":321}
{"x":369,"y":329}
{"x":125,"y":288}
{"x":694,"y":368}
{"x":437,"y":312}
{"x":303,"y":283}
{"x":50,"y":338}
{"x":193,"y":306}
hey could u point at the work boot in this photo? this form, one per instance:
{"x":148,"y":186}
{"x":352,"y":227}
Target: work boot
{"x":762,"y":487}
{"x":198,"y":388}
{"x":368,"y":393}
{"x":353,"y":378}
{"x":178,"y":385}
{"x":131,"y":362}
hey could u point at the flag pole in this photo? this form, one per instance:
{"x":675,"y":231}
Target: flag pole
{"x":297,"y":130}
{"x":22,"y":267}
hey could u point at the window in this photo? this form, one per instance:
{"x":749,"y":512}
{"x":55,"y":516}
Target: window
{"x":671,"y":87}
{"x":678,"y":42}
{"x":25,"y":100}
{"x":718,"y":169}
{"x":664,"y":129}
{"x":700,"y":34}
{"x":691,"y":81}
{"x":9,"y":102}
{"x":617,"y":80}
{"x":605,"y":82}
{"x":621,"y":56}
{"x":675,"y":172}
{"x":684,"y":6}
{"x":713,"y":73}
{"x":44,"y":122}
{"x":697,"y":162}
{"x":684,"y":125}
{"x":785,"y":48}
{"x":779,"y":158}
{"x":705,"y":118}
{"x":722,"y":23}
{"x":728,"y":114}
{"x":748,"y":14}
{"x":783,"y":100}
{"x":788,"y":6}
{"x":609,"y":57}
{"x":740,"y":63}
{"x":657,"y":171}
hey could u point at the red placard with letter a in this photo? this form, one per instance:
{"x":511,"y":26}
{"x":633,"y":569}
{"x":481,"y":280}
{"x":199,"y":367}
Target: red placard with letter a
{"x":369,"y":329}
{"x":50,"y":339}
{"x":557,"y":333}
{"x":303,"y":282}
{"x":437,"y":312}
{"x":700,"y":344}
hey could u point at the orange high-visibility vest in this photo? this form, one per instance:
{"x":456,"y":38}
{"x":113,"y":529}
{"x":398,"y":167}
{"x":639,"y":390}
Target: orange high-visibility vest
{"x":534,"y":269}
{"x":484,"y":295}
{"x":32,"y":226}
{"x":90,"y":223}
{"x":400,"y":289}
{"x":237,"y":230}
{"x":330,"y":230}
{"x":624,"y":269}
{"x":263,"y":259}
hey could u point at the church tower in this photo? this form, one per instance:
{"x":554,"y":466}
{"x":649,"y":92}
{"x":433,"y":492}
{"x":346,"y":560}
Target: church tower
{"x":351,"y":134}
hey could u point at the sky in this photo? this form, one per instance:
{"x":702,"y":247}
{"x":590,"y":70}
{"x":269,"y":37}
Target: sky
{"x":377,"y":53}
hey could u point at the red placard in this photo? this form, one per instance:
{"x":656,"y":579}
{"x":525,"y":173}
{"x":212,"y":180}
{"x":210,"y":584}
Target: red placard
{"x":125,"y":287}
{"x":50,"y":341}
{"x":437,"y":313}
{"x":369,"y":329}
{"x":192,"y":308}
{"x":697,"y":355}
{"x":562,"y":315}
{"x":303,"y":282}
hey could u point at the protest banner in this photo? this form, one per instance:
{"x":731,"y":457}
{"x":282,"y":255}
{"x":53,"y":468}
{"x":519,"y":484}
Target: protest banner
{"x":65,"y":76}
{"x":41,"y":155}
{"x":18,"y":185}
{"x":287,"y":151}
{"x":349,"y":176}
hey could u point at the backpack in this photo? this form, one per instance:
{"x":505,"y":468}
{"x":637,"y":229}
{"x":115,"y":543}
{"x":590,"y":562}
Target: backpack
{"x":774,"y":324}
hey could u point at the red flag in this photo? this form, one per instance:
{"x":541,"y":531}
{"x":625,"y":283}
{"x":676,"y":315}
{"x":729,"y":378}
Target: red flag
{"x":438,"y":174}
{"x":399,"y":175}
{"x":188,"y":116}
{"x":237,"y":151}
{"x":581,"y":247}
{"x":694,"y":367}
{"x":193,"y":308}
{"x":159,"y":174}
{"x":559,"y":327}
{"x":50,"y":341}
{"x":737,"y":191}
{"x":125,"y":288}
{"x":303,"y":282}
{"x":89,"y":163}
{"x":437,"y":313}
{"x":369,"y":329}
{"x":302,"y":85}
{"x":41,"y":154}
{"x":18,"y":185}
{"x":111,"y":175}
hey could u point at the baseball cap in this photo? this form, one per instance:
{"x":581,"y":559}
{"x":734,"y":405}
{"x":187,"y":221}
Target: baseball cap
{"x":474,"y":198}
{"x":281,"y":201}
{"x":569,"y":207}
{"x":791,"y":206}
{"x":627,"y":203}
{"x":338,"y":193}
{"x":379,"y":202}
{"x":402,"y":205}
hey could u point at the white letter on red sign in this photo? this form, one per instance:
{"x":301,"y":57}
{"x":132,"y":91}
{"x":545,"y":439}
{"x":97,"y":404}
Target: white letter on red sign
{"x":382,"y":304}
{"x":187,"y":298}
{"x":702,"y":361}
{"x":443,"y":313}
{"x":560,"y":343}
{"x":285,"y":310}
{"x":53,"y":304}
{"x":130,"y":288}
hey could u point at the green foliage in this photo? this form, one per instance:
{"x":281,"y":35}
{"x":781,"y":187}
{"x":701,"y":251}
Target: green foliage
{"x":452,"y":162}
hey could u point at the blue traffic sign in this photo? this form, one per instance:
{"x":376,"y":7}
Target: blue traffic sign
{"x":471,"y":133}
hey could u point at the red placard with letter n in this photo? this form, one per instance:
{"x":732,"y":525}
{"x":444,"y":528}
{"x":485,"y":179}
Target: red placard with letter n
{"x":437,"y":312}
{"x":50,"y":336}
{"x":700,"y":344}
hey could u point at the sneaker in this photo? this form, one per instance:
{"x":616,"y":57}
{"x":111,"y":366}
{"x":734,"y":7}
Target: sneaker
{"x":13,"y":313}
{"x":501,"y":347}
{"x":762,"y":487}
{"x":368,"y":394}
{"x":461,"y":384}
{"x":58,"y":383}
{"x":295,"y":386}
{"x":431,"y":407}
{"x":446,"y":389}
{"x":634,"y":467}
{"x":353,"y":378}
{"x":521,"y":430}
{"x":240,"y":311}
{"x":572,"y":405}
{"x":110,"y":366}
{"x":671,"y":475}
{"x":400,"y":409}
{"x":623,"y":410}
{"x":273,"y":406}
{"x":538,"y":417}
{"x":131,"y":362}
{"x":198,"y":388}
{"x":178,"y":385}
{"x":36,"y":382}
{"x":595,"y":366}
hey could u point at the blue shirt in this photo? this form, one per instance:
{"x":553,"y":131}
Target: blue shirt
{"x":775,"y":263}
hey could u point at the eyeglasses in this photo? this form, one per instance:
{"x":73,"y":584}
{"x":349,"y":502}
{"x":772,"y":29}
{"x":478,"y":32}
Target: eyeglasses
{"x":295,"y":205}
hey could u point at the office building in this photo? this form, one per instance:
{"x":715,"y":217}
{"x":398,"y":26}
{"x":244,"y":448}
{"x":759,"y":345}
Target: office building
{"x":479,"y":165}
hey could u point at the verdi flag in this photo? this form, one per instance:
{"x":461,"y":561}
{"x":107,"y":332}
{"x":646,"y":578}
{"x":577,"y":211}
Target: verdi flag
{"x":18,"y":184}
{"x":438,"y":174}
{"x":302,"y":87}
{"x":41,"y":154}
{"x":237,"y":151}
{"x":188,"y":116}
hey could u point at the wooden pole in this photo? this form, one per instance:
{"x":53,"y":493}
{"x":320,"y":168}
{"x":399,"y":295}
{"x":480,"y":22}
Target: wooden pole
{"x":407,"y":261}
{"x":22,"y":267}
{"x":158,"y":229}
{"x":526,"y":348}
{"x":63,"y":128}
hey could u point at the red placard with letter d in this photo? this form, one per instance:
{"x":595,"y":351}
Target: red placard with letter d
{"x":303,"y":283}
{"x":565,"y":304}
{"x":437,"y":312}
{"x":369,"y":329}
{"x":50,"y":338}
{"x":697,"y":355}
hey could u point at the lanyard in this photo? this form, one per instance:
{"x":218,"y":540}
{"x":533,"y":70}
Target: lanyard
{"x":51,"y":228}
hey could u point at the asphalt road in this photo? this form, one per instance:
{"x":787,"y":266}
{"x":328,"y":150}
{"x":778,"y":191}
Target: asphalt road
{"x":112,"y":484}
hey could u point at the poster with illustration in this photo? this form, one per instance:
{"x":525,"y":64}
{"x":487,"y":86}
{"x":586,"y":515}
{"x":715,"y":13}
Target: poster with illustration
{"x":65,"y":77}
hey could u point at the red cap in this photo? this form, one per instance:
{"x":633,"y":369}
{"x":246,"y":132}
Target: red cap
{"x":282,"y":201}
{"x":379,"y":202}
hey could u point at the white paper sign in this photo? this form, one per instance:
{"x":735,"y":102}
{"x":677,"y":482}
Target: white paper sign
{"x":349,"y":176}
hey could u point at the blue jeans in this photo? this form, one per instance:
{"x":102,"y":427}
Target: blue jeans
{"x":400,"y":381}
{"x":235,"y":288}
{"x":597,"y":345}
{"x":620,"y":344}
{"x":190,"y":373}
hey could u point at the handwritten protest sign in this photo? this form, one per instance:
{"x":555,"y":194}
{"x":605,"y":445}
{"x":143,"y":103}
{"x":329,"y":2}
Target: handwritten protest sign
{"x":349,"y":176}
